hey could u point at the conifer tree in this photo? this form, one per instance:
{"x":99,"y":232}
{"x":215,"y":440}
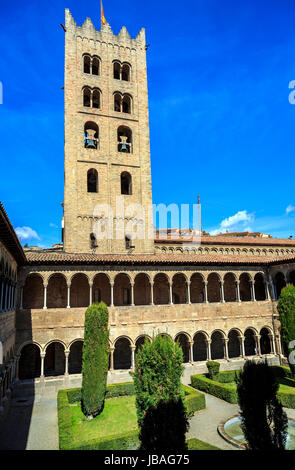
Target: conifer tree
{"x":286,"y":309}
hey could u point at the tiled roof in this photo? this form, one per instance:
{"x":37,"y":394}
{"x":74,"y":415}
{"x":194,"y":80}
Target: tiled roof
{"x":198,"y":259}
{"x":9,"y":238}
{"x":208,"y":240}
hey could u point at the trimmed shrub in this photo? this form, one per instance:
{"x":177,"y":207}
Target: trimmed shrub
{"x":194,"y":400}
{"x":286,"y":309}
{"x":263,"y":421}
{"x":161,"y":412}
{"x":220,"y":390}
{"x":95,"y":359}
{"x":213,"y":369}
{"x":228,"y":376}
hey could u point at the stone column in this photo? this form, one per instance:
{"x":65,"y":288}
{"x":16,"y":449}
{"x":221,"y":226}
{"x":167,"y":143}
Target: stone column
{"x":238,"y":295}
{"x":253,"y":291}
{"x":170,"y":294}
{"x":2,"y":295}
{"x":112,"y":349}
{"x":6,"y":297}
{"x":242,"y":346}
{"x":69,"y":295}
{"x":42,"y":355}
{"x":272,"y":288}
{"x":132,"y":294}
{"x":17,"y":366}
{"x":191,"y":352}
{"x":205,"y":292}
{"x":45,"y":297}
{"x":208,"y":341}
{"x":152,"y":293}
{"x":90,"y":293}
{"x":257,"y":338}
{"x":279,"y":345}
{"x":67,"y":353}
{"x":21,"y":293}
{"x":268,"y":296}
{"x":272,"y":343}
{"x":225,"y":342}
{"x":222,"y":291}
{"x":112,"y":294}
{"x":189,"y":292}
{"x":9,"y":297}
{"x":132,"y":357}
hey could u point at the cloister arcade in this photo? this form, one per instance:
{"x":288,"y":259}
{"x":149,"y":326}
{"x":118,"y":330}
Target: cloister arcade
{"x":56,"y":358}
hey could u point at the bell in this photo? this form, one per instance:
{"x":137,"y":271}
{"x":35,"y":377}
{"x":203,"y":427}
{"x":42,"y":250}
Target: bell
{"x":90,"y":144}
{"x":124,"y":147}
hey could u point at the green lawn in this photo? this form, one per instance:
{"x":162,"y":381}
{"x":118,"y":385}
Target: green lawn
{"x":119,"y":415}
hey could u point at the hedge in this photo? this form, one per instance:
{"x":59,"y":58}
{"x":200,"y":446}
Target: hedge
{"x":115,"y":390}
{"x":220,"y":390}
{"x":227,"y":376}
{"x":194,"y":400}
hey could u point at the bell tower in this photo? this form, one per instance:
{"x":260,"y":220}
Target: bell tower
{"x":107,"y":190}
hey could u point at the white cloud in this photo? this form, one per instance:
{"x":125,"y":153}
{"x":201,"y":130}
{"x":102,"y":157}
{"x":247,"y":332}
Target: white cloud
{"x":53,"y":225}
{"x":290,"y":209}
{"x":235,"y":223}
{"x":241,"y":216}
{"x":26,"y":233}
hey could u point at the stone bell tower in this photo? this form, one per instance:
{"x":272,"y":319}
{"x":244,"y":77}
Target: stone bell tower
{"x":107,"y":147}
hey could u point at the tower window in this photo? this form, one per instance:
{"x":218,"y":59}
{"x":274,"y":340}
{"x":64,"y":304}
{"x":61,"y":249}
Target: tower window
{"x":122,"y":71}
{"x":91,"y":97}
{"x":87,"y":62}
{"x":93,"y":241}
{"x":126,"y":72}
{"x":96,"y":99}
{"x":91,"y":135}
{"x":126,"y":183}
{"x":91,"y":64}
{"x":87,"y":97}
{"x":124,"y":139}
{"x":117,"y":70}
{"x":122,"y":103}
{"x":95,"y":66}
{"x":126,"y":104}
{"x":92,"y":181}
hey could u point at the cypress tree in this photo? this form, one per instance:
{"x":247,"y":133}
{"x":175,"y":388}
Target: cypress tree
{"x":263,"y":421}
{"x":161,"y":412}
{"x":286,"y":309}
{"x":95,"y":359}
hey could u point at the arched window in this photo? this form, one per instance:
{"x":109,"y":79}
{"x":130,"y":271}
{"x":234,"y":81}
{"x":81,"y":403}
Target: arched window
{"x":126,"y":104}
{"x":126,"y":72}
{"x":93,"y":241}
{"x":92,"y":181}
{"x":96,"y":98}
{"x":117,"y":102}
{"x":91,"y":135}
{"x":126,"y":183}
{"x":124,"y":139}
{"x":117,"y":70}
{"x":87,"y":62}
{"x":87,"y":97}
{"x":95,"y":66}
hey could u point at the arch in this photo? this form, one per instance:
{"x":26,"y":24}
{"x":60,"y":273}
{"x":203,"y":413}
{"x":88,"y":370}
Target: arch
{"x":124,"y":137}
{"x":229,"y":287}
{"x":140,"y":341}
{"x":87,"y":97}
{"x":292,"y":277}
{"x":126,"y":72}
{"x":182,"y":340}
{"x":92,"y":181}
{"x":197,"y":288}
{"x":117,"y":70}
{"x":161,"y":289}
{"x":80,"y":291}
{"x":101,"y":289}
{"x":29,"y":362}
{"x":122,"y":353}
{"x":96,"y":98}
{"x":217,"y":345}
{"x":234,"y":346}
{"x":142,"y":289}
{"x":259,"y":287}
{"x":33,"y":292}
{"x":213,"y":288}
{"x":265,"y":345}
{"x":127,"y":104}
{"x":86,"y":63}
{"x":91,"y":135}
{"x":200,"y":346}
{"x":126,"y":183}
{"x":250,"y":342}
{"x":279,"y":283}
{"x":122,"y":290}
{"x":54,"y":362}
{"x":57,"y":291}
{"x":75,"y":357}
{"x":245,"y":288}
{"x":95,"y":65}
{"x":179,"y":289}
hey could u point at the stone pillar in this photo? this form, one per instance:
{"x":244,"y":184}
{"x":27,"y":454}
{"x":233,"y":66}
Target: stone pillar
{"x":132,"y":294}
{"x":112,"y":349}
{"x":191,"y":352}
{"x":112,"y":294}
{"x":17,"y":366}
{"x":189,"y":292}
{"x":9,"y":297}
{"x":170,"y":294}
{"x":205,"y":292}
{"x":272,"y":343}
{"x":257,"y":338}
{"x":279,"y":345}
{"x":272,"y":288}
{"x":208,"y":341}
{"x":42,"y":355}
{"x":222,"y":291}
{"x":268,"y":296}
{"x":225,"y":342}
{"x":242,"y":346}
{"x":6,"y":297}
{"x":69,"y":296}
{"x":67,"y":353}
{"x":2,"y":295}
{"x":253,"y":291}
{"x":21,"y":293}
{"x":238,"y":295}
{"x":152,"y":293}
{"x":132,"y":357}
{"x":90,"y":293}
{"x":45,"y":297}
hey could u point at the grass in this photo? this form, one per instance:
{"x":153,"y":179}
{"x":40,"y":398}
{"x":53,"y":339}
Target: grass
{"x":196,"y":444}
{"x":119,"y":415}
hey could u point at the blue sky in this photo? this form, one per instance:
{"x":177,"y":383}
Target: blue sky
{"x":221,"y":122}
